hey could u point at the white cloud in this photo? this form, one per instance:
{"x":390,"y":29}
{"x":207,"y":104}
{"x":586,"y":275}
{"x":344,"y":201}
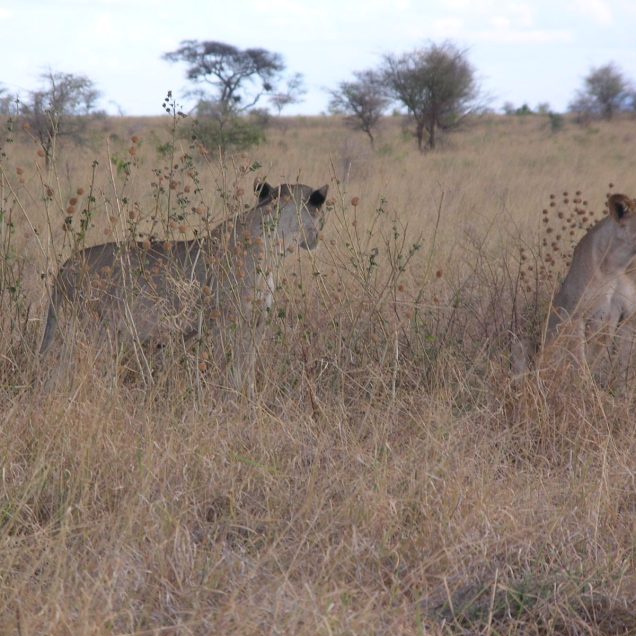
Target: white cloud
{"x":116,"y":4}
{"x":522,"y":14}
{"x":512,"y":23}
{"x":447,"y":27}
{"x":598,"y":10}
{"x":290,"y":9}
{"x":478,"y":6}
{"x":500,"y":23}
{"x":5,"y":13}
{"x":529,"y":36}
{"x":103,"y":25}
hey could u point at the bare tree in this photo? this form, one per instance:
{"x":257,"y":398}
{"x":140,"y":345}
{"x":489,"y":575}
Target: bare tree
{"x":436,"y":85}
{"x":605,"y":92}
{"x":238,"y":78}
{"x":59,"y":108}
{"x":8,"y":101}
{"x":291,"y":94}
{"x":363,"y":101}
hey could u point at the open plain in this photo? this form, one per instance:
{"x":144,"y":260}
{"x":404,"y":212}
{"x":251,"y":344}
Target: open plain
{"x":387,"y":476}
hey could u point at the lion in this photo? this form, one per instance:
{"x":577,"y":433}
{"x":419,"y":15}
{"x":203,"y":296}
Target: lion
{"x":597,"y":299}
{"x":143,"y":291}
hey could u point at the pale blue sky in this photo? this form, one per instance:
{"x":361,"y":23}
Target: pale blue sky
{"x":523,"y":50}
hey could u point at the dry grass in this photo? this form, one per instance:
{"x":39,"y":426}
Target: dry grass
{"x":389,"y":478}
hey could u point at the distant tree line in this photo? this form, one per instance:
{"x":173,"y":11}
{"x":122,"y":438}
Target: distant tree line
{"x":605,"y":92}
{"x":437,"y":88}
{"x":434,"y":87}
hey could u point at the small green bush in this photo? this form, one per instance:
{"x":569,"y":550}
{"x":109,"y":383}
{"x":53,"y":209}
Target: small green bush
{"x":237,"y":133}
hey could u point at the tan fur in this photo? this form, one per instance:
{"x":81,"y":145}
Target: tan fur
{"x":597,"y":298}
{"x":145,"y":291}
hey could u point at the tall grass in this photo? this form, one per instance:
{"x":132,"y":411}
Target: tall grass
{"x":388,"y":476}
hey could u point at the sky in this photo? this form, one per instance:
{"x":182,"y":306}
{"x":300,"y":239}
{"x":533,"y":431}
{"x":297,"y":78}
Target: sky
{"x":523,"y":51}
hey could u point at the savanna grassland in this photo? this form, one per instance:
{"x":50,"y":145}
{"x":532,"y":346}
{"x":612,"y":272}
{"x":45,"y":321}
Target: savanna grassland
{"x":388,"y":477}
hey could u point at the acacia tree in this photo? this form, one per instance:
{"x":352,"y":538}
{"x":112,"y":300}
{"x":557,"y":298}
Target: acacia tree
{"x":230,"y":81}
{"x":604,"y":93}
{"x":238,"y":78}
{"x":61,"y":107}
{"x":436,"y":85}
{"x":363,"y":101}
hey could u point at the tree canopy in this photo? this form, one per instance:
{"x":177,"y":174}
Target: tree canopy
{"x":435,"y":84}
{"x":238,"y":77}
{"x":605,"y":92}
{"x":59,"y":108}
{"x":363,"y":101}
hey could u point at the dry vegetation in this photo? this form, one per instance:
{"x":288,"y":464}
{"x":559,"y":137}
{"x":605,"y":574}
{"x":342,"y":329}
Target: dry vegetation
{"x":388,"y":478}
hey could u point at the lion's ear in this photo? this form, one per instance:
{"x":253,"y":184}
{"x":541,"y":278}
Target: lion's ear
{"x":318,"y":197}
{"x":621,"y":206}
{"x":263,"y":190}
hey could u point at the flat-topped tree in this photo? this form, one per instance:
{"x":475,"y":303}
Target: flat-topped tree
{"x":238,"y":77}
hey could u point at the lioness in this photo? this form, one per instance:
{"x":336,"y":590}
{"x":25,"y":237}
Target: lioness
{"x":598,"y":295}
{"x":145,"y":290}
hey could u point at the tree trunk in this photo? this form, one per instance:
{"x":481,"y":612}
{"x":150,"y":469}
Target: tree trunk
{"x":431,"y":137}
{"x":419,"y":133}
